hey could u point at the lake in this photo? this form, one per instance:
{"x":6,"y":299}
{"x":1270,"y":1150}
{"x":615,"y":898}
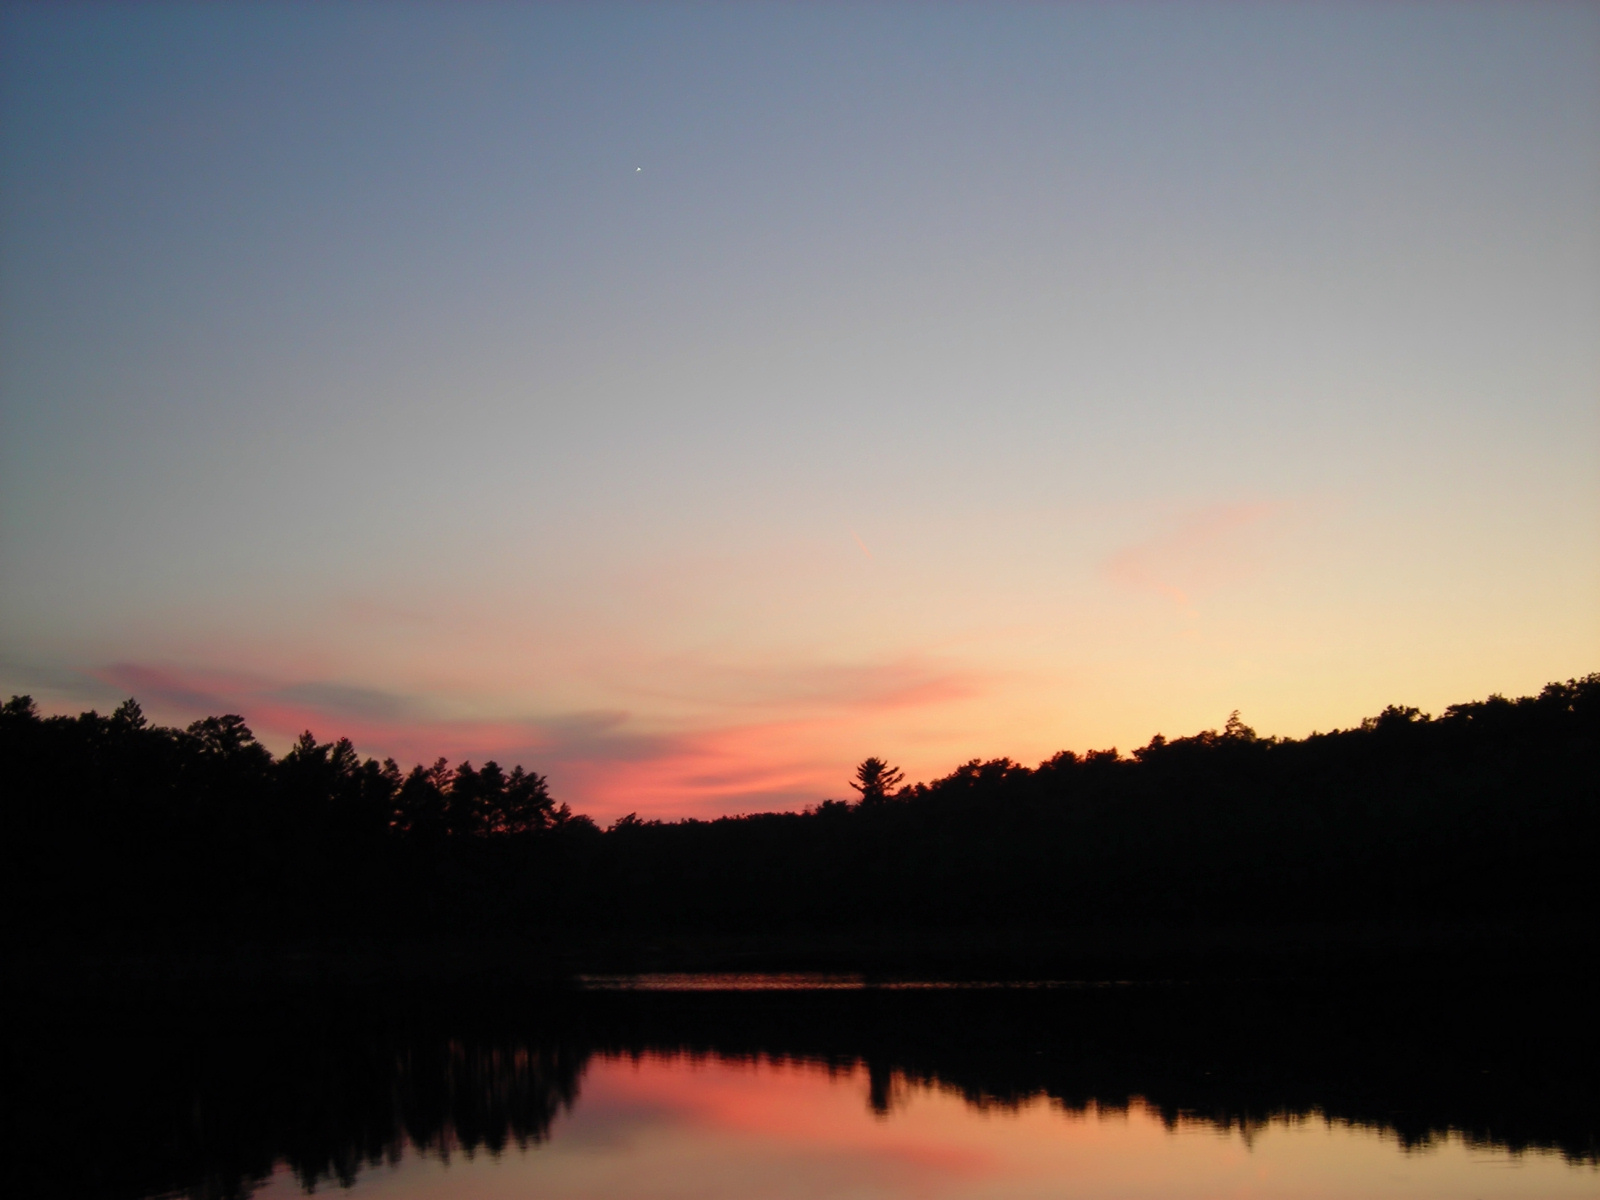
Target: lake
{"x":681,"y":1126}
{"x":811,"y":1086}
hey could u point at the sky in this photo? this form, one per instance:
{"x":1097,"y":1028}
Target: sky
{"x":689,"y":401}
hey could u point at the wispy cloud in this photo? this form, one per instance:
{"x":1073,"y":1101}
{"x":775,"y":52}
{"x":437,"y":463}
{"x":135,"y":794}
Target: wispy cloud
{"x":60,"y":683}
{"x":168,"y":689}
{"x":388,"y":722}
{"x":1200,"y":551}
{"x":607,"y":762}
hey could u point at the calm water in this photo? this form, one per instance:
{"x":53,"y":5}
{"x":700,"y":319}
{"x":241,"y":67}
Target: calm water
{"x":696,"y":1127}
{"x":796,"y":1086}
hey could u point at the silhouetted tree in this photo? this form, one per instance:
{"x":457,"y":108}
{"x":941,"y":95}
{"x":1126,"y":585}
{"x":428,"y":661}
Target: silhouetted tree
{"x":420,"y":803}
{"x":875,"y":779}
{"x":1491,"y":812}
{"x":525,"y":805}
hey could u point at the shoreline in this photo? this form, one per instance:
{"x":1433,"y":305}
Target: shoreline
{"x":1488,"y":953}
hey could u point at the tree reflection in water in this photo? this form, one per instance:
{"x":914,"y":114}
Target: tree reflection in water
{"x":205,"y":1098}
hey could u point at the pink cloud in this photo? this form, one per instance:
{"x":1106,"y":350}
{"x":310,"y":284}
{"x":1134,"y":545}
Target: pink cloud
{"x":1211,"y":547}
{"x":809,"y":729}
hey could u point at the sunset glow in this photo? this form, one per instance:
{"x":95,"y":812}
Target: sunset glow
{"x":689,"y":402}
{"x":672,"y":1126}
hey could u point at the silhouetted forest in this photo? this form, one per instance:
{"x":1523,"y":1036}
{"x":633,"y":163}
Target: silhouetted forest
{"x":1489,"y":812}
{"x":203,"y":1093}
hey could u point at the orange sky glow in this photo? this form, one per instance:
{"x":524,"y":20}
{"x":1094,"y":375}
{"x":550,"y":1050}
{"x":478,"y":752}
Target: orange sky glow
{"x":951,"y":382}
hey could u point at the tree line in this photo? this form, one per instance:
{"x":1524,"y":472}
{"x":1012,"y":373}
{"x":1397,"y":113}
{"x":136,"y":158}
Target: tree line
{"x":1489,"y":811}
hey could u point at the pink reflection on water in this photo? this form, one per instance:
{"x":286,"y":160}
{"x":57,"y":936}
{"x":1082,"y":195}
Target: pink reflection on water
{"x":693,"y":1127}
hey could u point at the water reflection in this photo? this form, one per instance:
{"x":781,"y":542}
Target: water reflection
{"x":791,"y":1090}
{"x":672,"y":1126}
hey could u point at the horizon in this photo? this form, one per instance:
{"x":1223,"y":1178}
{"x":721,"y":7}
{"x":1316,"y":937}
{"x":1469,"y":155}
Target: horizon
{"x":1131,"y":755}
{"x":689,"y":402}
